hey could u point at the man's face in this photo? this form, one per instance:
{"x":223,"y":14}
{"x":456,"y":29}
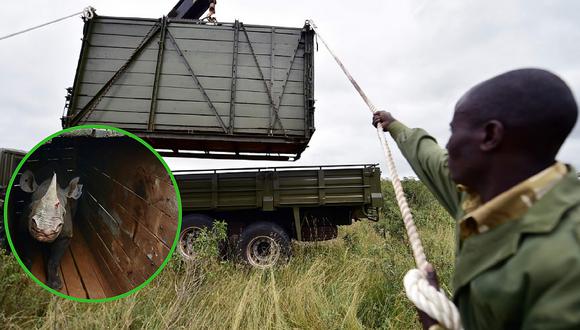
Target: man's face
{"x":465,"y":157}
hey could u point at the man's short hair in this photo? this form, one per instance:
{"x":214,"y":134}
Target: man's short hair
{"x":534,"y":105}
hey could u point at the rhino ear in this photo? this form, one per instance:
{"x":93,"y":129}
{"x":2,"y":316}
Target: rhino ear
{"x":27,"y":182}
{"x":74,"y":189}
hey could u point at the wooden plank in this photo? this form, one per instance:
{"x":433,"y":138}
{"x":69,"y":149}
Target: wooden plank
{"x":111,"y":272}
{"x":127,"y":255}
{"x":120,"y":53}
{"x":197,"y":122}
{"x":242,"y":110}
{"x":71,"y":277}
{"x":38,"y":268}
{"x":138,"y":92}
{"x":127,"y":78}
{"x":118,"y":22}
{"x":114,"y":65}
{"x":135,"y":113}
{"x":197,"y":55}
{"x":89,"y":270}
{"x":187,"y":33}
{"x":194,"y":108}
{"x":155,"y":250}
{"x":106,"y":40}
{"x":118,"y":104}
{"x":115,"y":116}
{"x":245,"y":60}
{"x":135,"y":209}
{"x":125,"y":126}
{"x":153,"y":184}
{"x":136,"y":30}
{"x":108,"y":228}
{"x":242,"y":97}
{"x":258,"y":131}
{"x":249,"y":27}
{"x":200,"y":69}
{"x":181,"y":81}
{"x":114,"y":257}
{"x":148,"y":181}
{"x":241,"y":122}
{"x":129,"y":42}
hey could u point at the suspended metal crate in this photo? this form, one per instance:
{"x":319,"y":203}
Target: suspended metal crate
{"x":191,"y":89}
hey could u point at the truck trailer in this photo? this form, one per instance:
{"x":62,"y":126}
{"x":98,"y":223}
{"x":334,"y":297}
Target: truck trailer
{"x":9,"y":160}
{"x":265,"y":208}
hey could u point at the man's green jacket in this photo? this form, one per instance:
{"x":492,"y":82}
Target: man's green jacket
{"x":523,"y":274}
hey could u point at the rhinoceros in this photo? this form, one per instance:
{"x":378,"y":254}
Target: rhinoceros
{"x":48,"y":219}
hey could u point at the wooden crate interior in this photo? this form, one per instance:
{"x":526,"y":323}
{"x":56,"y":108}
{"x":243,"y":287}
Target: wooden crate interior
{"x":126,"y":218}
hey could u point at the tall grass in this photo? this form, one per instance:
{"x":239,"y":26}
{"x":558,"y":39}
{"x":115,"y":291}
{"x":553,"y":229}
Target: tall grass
{"x":353,"y":282}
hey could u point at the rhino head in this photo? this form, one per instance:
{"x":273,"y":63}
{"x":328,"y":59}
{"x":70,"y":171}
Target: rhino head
{"x":48,"y":207}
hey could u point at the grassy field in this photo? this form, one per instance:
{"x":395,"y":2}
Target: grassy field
{"x":353,"y":282}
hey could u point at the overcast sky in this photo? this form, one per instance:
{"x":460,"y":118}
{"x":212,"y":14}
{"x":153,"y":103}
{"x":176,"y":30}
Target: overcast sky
{"x":413,"y":57}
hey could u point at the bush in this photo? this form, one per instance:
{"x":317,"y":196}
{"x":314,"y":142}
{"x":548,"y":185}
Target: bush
{"x":21,"y":299}
{"x":354,"y":281}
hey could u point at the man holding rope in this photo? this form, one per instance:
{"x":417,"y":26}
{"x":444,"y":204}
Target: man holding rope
{"x":518,"y":209}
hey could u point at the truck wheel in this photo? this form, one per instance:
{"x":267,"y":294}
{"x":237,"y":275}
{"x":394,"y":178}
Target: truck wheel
{"x":190,"y":226}
{"x":264,"y":244}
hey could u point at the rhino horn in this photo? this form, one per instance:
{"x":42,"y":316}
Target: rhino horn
{"x":51,"y":196}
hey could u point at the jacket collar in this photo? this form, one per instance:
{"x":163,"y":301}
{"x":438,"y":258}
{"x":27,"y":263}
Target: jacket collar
{"x":509,"y":205}
{"x":481,"y":252}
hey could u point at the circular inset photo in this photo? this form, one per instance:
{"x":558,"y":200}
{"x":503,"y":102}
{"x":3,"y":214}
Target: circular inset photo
{"x":92,"y":213}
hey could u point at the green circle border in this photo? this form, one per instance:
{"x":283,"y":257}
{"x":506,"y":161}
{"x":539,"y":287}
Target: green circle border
{"x":177,"y":196}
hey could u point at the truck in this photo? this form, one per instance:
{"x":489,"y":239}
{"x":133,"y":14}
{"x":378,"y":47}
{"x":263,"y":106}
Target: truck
{"x":265,"y":208}
{"x":205,"y":89}
{"x":9,"y":160}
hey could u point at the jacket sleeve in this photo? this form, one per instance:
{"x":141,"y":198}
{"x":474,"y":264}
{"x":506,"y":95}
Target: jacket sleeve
{"x":429,"y":161}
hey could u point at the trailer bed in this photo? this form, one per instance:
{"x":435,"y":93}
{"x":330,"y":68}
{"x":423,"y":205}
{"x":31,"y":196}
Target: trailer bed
{"x":279,"y":187}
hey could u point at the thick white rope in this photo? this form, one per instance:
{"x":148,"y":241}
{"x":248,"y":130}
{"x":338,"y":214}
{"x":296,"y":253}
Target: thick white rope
{"x":88,"y":13}
{"x":428,"y":299}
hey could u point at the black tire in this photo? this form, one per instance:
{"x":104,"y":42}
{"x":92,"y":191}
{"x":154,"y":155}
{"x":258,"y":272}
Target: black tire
{"x":190,"y":224}
{"x":264,"y":245}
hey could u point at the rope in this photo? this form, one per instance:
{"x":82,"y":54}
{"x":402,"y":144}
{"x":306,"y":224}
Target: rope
{"x":428,"y":299}
{"x":88,"y":13}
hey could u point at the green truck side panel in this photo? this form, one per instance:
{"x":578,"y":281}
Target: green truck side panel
{"x":273,"y":188}
{"x":9,"y":160}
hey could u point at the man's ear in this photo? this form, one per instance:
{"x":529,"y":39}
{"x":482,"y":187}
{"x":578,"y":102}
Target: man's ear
{"x":27,"y":182}
{"x":74,"y":189}
{"x":493,"y":135}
